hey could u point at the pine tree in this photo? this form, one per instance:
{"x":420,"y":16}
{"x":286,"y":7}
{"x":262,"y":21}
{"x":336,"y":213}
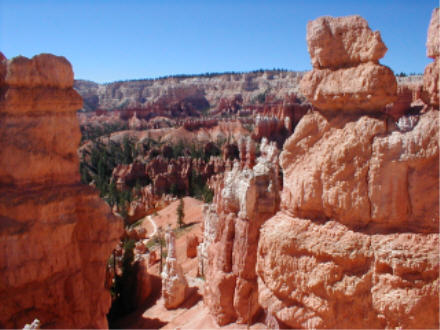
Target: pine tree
{"x":180,"y":213}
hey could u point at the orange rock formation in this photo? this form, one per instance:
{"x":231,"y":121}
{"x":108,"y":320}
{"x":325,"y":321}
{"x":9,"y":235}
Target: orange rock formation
{"x":355,"y":244}
{"x":56,"y":234}
{"x":431,"y":77}
{"x":346,"y":74}
{"x":244,"y":199}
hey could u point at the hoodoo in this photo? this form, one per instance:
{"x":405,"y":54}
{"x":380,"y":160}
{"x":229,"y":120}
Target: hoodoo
{"x":55,"y":233}
{"x":355,"y":244}
{"x":245,"y":198}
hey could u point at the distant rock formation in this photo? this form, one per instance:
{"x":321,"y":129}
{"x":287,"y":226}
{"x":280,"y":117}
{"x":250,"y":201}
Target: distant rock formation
{"x":346,"y":75}
{"x":174,"y":284}
{"x":355,"y":244}
{"x":245,"y":198}
{"x":186,"y":95}
{"x":56,"y":235}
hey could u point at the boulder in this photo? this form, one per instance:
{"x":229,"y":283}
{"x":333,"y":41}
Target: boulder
{"x":337,"y":42}
{"x":367,"y":87}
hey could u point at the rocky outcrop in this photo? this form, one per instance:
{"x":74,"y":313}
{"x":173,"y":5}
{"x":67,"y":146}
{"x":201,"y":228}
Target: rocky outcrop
{"x":343,"y":41}
{"x":431,"y":77}
{"x":244,"y":200}
{"x":355,"y":244}
{"x":346,"y":75}
{"x":433,"y":39}
{"x":174,"y":284}
{"x":56,"y":235}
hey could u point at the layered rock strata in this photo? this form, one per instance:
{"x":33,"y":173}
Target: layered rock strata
{"x":56,"y":234}
{"x":244,"y":199}
{"x":346,"y":73}
{"x":355,"y":244}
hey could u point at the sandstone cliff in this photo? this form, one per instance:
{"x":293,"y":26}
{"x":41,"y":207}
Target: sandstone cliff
{"x":355,"y":244}
{"x":55,"y":234}
{"x":198,"y":90}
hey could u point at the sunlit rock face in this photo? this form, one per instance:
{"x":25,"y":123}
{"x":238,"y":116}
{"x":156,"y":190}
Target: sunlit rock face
{"x":55,"y":234}
{"x":346,"y":73}
{"x":244,"y":199}
{"x":355,"y":244}
{"x":174,"y":284}
{"x":431,"y":77}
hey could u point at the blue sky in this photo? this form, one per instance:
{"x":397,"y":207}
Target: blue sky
{"x":117,"y":40}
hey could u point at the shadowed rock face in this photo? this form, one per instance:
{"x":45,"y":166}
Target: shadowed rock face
{"x":355,"y":244}
{"x":346,"y":75}
{"x":55,"y":234}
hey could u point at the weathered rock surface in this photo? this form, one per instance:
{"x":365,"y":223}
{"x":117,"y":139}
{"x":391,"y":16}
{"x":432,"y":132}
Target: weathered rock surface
{"x":343,"y":41}
{"x":433,"y":40}
{"x":358,"y":226}
{"x":431,"y":76}
{"x":174,"y":284}
{"x":56,"y":234}
{"x":244,"y":199}
{"x":365,"y":87}
{"x":355,"y":244}
{"x":346,"y":75}
{"x":431,"y":83}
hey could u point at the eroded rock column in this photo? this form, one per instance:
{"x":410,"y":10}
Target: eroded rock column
{"x":56,"y":234}
{"x":244,"y":199}
{"x":355,"y":244}
{"x":174,"y":284}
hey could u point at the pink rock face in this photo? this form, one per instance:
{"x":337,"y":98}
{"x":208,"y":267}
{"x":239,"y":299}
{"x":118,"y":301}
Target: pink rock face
{"x":355,"y":244}
{"x":431,"y":83}
{"x":433,"y":41}
{"x":343,"y":41}
{"x":56,"y":235}
{"x":358,"y":226}
{"x":367,"y":87}
{"x":244,"y":199}
{"x":315,"y":275}
{"x":345,"y":170}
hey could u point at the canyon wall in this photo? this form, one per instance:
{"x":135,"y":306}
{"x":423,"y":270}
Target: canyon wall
{"x":56,"y":235}
{"x":197,"y":90}
{"x":355,"y":244}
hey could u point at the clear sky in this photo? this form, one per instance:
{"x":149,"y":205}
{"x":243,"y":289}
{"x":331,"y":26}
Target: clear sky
{"x":117,"y":40}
